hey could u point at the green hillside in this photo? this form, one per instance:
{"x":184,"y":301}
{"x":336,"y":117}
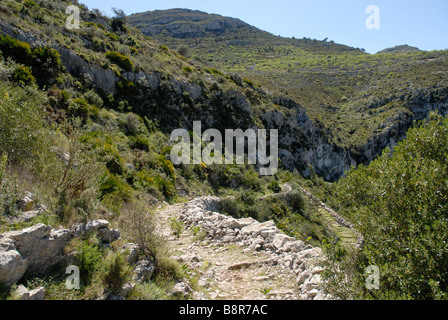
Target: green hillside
{"x":85,"y":121}
{"x":353,"y":94}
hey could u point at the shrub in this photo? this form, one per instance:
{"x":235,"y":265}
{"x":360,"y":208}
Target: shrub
{"x":18,"y":50}
{"x":21,"y":126}
{"x":112,"y":36}
{"x":89,"y":257}
{"x":399,"y":204}
{"x":80,"y":108}
{"x":30,"y":3}
{"x":248,"y":82}
{"x":251,"y":180}
{"x":274,"y":186}
{"x":138,"y":225}
{"x":120,"y":60}
{"x":46,"y":62}
{"x":8,"y":189}
{"x":127,"y":88}
{"x":133,"y":124}
{"x":296,"y":201}
{"x":115,"y":272}
{"x":188,"y":69}
{"x":115,"y":191}
{"x":215,"y":71}
{"x":22,"y":75}
{"x":184,"y":51}
{"x":140,"y":143}
{"x":77,"y":187}
{"x":165,"y":186}
{"x":47,"y":65}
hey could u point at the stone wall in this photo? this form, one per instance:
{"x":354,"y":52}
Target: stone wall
{"x":303,"y":259}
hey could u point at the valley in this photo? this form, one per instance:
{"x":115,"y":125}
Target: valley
{"x":88,"y":168}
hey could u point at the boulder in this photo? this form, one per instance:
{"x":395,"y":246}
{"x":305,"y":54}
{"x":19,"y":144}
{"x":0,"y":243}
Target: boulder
{"x":12,"y":267}
{"x":280,"y":240}
{"x":143,"y":271}
{"x":101,"y":227}
{"x":182,"y":288}
{"x":108,"y":235}
{"x":6,"y":243}
{"x":294,"y":246}
{"x":242,"y":223}
{"x":132,"y":250}
{"x":256,"y":228}
{"x":22,"y":293}
{"x":302,"y":277}
{"x":26,"y":203}
{"x":41,"y":246}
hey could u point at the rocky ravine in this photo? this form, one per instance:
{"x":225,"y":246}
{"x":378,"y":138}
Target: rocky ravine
{"x":242,"y":259}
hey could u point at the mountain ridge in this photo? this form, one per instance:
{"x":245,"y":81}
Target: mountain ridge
{"x":363,"y":101}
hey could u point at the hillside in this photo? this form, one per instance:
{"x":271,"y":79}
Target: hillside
{"x":87,"y":181}
{"x":364,"y":102}
{"x":86,"y":117}
{"x":400,"y":49}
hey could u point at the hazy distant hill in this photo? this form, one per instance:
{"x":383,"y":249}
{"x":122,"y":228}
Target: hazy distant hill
{"x":400,"y":49}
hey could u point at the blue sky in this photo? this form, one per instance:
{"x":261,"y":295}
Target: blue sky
{"x":423,"y":24}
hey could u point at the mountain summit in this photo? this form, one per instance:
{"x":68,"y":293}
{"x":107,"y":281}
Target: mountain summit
{"x":185,"y":24}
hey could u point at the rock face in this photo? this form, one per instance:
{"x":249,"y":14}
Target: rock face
{"x":12,"y":267}
{"x":34,"y":250}
{"x":41,"y":247}
{"x":249,"y":233}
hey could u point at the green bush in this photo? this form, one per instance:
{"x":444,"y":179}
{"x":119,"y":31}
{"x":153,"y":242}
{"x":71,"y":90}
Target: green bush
{"x":18,"y":50}
{"x":115,"y":272}
{"x":46,"y":62}
{"x":214,"y":71}
{"x":138,"y":224}
{"x":89,"y":257}
{"x":140,"y":143}
{"x":400,"y":205}
{"x":166,"y":186}
{"x":251,"y":180}
{"x":47,"y":65}
{"x":8,"y":189}
{"x":188,"y":69}
{"x":21,"y":126}
{"x":120,"y":60}
{"x":275,"y":187}
{"x":296,"y":201}
{"x":80,"y":108}
{"x":115,"y":191}
{"x":127,"y":88}
{"x":22,"y":75}
{"x":248,"y":82}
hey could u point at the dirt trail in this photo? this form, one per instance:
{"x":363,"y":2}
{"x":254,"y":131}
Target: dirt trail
{"x":227,"y":271}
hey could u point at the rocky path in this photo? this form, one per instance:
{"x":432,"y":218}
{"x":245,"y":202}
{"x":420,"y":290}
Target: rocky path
{"x":230,"y":259}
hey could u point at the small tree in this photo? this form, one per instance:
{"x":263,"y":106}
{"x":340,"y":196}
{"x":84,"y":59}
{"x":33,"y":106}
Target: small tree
{"x":119,"y":21}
